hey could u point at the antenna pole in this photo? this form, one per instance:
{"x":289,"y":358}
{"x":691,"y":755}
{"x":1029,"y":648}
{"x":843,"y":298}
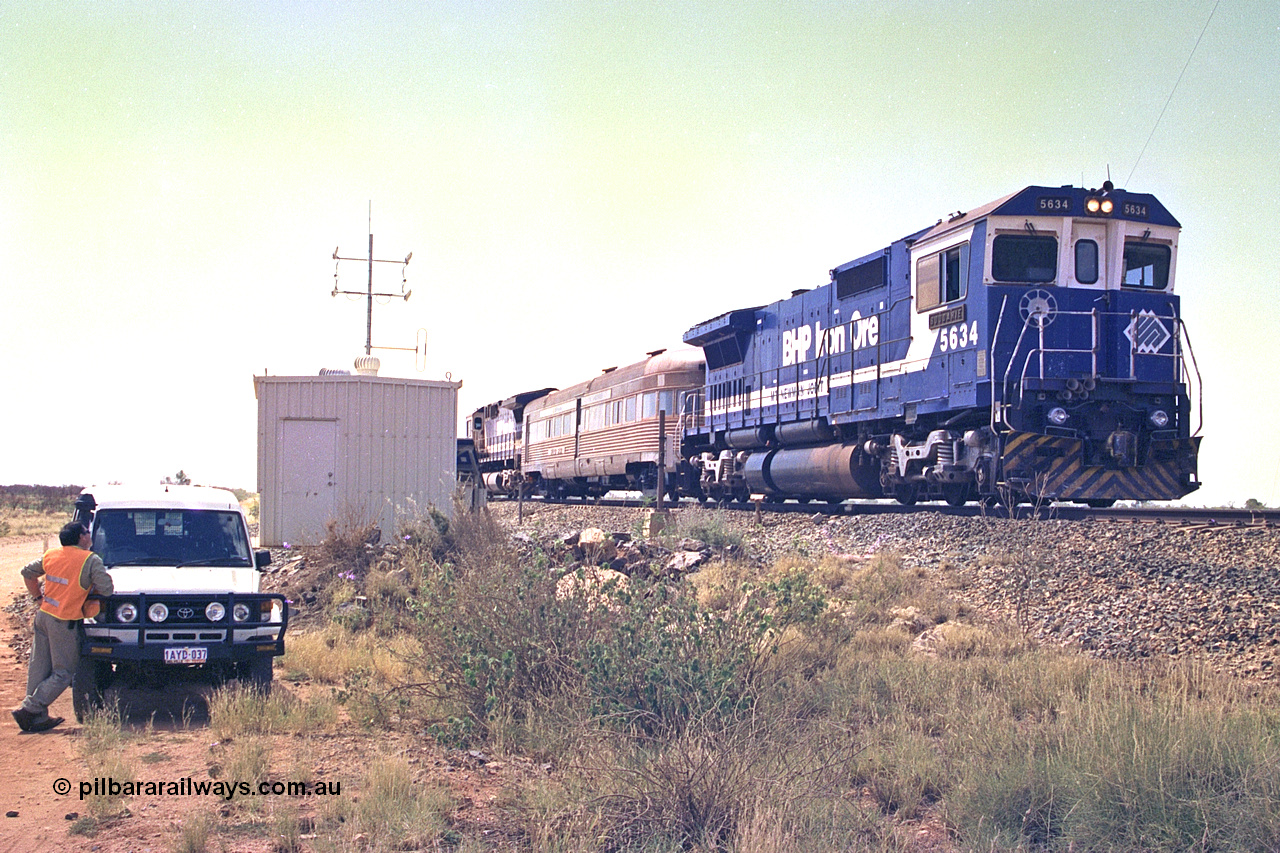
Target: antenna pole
{"x":368,"y":325}
{"x":368,"y":293}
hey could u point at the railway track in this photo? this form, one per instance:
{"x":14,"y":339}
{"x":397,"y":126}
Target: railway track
{"x":1202,"y":517}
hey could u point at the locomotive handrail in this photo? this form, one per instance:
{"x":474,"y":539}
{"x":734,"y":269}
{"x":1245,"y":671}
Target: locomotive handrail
{"x":1041,"y":351}
{"x":1182,"y":330}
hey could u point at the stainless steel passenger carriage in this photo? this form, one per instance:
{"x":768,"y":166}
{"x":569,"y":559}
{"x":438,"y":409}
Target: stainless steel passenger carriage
{"x":604,"y":434}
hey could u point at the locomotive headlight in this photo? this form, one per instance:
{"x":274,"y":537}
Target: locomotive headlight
{"x":157,"y":612}
{"x":1092,"y":205}
{"x":1107,"y":205}
{"x":127,"y":612}
{"x":214,"y":611}
{"x":1159,"y":418}
{"x":1057,"y":416}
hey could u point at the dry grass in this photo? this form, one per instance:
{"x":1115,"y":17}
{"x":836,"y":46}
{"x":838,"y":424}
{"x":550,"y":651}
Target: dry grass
{"x":27,"y":523}
{"x":848,"y":727}
{"x":331,"y":654}
{"x":102,"y":742}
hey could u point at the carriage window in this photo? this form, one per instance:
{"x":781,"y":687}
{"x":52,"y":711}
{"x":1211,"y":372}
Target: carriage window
{"x":1024,"y":258}
{"x":631,"y":409}
{"x":1086,"y":262}
{"x":666,"y":402}
{"x":1146,"y":265}
{"x":595,"y":417}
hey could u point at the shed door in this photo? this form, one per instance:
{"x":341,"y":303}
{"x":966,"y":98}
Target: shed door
{"x":308,"y":458}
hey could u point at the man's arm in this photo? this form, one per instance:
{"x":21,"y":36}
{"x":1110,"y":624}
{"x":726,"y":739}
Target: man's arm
{"x":99,"y":580}
{"x":31,"y":573}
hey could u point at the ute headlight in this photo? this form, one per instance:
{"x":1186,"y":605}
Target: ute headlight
{"x":127,"y":612}
{"x":1159,"y":418}
{"x":157,"y":612}
{"x":241,"y":612}
{"x":1058,"y":416}
{"x":214,"y":611}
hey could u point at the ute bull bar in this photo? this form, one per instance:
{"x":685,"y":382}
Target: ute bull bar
{"x":188,"y":628}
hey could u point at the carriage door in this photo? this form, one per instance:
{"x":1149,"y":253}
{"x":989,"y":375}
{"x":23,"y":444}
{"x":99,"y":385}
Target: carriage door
{"x":957,"y":325}
{"x":577,"y":428}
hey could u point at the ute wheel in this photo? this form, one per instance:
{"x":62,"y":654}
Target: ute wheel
{"x":257,"y":673}
{"x":88,"y":684}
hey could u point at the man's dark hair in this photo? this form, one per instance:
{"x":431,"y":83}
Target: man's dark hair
{"x":70,"y":533}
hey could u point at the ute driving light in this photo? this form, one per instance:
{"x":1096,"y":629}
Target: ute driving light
{"x":1057,"y":416}
{"x":1159,"y":418}
{"x":127,"y":612}
{"x":214,"y":611}
{"x":157,"y":612}
{"x":240,"y":612}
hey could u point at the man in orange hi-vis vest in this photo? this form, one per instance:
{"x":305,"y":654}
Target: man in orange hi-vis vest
{"x":71,"y":574}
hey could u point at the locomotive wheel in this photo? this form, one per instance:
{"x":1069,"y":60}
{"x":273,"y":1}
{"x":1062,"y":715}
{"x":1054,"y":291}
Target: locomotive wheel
{"x":1101,"y":503}
{"x":906,"y":494}
{"x":956,"y":494}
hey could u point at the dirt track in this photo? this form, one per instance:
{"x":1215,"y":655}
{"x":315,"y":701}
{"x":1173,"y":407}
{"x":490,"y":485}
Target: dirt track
{"x":32,"y":762}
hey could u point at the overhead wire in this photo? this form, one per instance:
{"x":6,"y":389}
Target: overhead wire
{"x":1171,"y":91}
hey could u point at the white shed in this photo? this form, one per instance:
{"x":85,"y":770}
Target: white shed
{"x":351,"y":447}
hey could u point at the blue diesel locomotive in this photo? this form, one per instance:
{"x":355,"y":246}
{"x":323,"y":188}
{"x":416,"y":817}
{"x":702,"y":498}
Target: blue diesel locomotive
{"x":1029,"y":349}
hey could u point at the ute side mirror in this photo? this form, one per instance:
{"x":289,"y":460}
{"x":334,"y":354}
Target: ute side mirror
{"x":261,"y":559}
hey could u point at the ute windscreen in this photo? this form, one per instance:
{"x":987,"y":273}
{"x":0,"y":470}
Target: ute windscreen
{"x":170,"y":537}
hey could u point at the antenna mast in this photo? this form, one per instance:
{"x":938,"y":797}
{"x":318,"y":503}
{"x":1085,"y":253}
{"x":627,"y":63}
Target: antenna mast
{"x":368,"y":292}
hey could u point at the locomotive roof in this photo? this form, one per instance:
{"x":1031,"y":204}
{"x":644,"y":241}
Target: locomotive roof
{"x":1026,"y":202}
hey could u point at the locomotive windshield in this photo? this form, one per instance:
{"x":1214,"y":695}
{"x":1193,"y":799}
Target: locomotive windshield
{"x":170,"y":537}
{"x":1024,"y":258}
{"x":1146,"y":265}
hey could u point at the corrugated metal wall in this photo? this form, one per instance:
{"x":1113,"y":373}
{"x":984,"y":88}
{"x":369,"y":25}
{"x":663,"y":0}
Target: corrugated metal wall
{"x":394,"y":448}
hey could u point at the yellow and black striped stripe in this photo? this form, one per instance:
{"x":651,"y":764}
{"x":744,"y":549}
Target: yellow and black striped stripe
{"x":1055,"y":467}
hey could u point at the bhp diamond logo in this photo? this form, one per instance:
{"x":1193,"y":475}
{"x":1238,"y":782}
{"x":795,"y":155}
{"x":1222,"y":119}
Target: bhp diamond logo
{"x":1147,"y":333}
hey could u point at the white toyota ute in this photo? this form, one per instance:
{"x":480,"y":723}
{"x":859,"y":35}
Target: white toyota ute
{"x":186,"y":603}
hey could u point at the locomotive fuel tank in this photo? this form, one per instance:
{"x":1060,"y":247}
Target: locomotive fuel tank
{"x":833,"y":471}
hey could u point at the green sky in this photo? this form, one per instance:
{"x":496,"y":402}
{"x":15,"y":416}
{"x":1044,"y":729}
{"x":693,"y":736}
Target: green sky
{"x":578,"y":182}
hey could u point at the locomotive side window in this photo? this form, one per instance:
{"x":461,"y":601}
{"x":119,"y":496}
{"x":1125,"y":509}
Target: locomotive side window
{"x":1086,"y":261}
{"x":1024,"y":258}
{"x":1146,"y":265}
{"x":942,"y":277}
{"x":955,"y":264}
{"x":927,"y":280}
